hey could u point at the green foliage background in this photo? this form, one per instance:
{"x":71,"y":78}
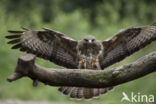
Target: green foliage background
{"x":77,"y":18}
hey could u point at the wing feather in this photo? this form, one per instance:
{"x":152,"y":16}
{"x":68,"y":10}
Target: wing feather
{"x":125,"y":43}
{"x":13,"y":36}
{"x":47,"y":44}
{"x":14,"y":41}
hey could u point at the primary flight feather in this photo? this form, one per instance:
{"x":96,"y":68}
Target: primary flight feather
{"x":88,"y":53}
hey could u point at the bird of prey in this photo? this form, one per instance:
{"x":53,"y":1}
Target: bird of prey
{"x":87,"y":53}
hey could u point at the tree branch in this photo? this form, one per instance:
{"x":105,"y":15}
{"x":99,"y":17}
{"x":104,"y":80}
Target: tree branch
{"x":83,"y":77}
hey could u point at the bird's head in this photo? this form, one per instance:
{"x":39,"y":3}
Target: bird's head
{"x":89,"y":39}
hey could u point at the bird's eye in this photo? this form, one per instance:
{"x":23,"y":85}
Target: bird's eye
{"x":93,"y":40}
{"x":86,"y":40}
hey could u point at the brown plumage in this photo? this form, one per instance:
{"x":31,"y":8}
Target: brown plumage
{"x":88,"y":53}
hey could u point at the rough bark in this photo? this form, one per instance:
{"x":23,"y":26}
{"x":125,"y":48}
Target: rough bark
{"x":83,"y":77}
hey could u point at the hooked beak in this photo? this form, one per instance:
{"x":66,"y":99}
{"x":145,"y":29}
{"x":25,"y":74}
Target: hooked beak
{"x":90,"y":41}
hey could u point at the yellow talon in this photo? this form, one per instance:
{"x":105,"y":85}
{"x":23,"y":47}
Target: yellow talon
{"x":94,"y":60}
{"x":83,"y":63}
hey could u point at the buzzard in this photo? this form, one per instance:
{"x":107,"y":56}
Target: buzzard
{"x":87,"y":53}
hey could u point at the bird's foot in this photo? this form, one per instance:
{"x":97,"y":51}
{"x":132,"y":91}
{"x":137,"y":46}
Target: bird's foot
{"x":83,"y":63}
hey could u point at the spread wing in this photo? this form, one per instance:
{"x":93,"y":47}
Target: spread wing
{"x":48,"y":44}
{"x":125,"y":43}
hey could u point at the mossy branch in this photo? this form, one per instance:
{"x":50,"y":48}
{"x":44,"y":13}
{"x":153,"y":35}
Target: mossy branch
{"x":82,"y":77}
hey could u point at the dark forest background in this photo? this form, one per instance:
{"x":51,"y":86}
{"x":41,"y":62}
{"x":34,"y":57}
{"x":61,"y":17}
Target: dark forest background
{"x":76,"y":18}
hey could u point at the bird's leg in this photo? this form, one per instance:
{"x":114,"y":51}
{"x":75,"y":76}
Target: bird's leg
{"x":94,"y":61}
{"x":83,"y":63}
